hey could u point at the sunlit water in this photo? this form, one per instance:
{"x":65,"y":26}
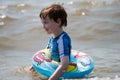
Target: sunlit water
{"x":94,"y":27}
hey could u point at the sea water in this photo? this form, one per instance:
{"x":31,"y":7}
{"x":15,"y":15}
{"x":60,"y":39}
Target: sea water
{"x":93,"y":25}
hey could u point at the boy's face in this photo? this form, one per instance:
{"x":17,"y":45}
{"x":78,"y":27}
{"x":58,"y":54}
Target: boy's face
{"x":49,"y":25}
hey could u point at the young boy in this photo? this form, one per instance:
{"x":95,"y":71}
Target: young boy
{"x":54,"y":18}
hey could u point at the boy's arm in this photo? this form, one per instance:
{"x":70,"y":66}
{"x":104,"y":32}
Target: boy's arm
{"x":61,"y":68}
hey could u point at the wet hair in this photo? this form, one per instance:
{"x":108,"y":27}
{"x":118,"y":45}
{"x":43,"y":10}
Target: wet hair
{"x":55,"y":12}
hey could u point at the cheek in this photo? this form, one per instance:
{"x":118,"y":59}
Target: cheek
{"x":47,"y":27}
{"x":50,"y":26}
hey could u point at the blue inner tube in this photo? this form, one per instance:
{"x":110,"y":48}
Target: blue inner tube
{"x":81,"y":64}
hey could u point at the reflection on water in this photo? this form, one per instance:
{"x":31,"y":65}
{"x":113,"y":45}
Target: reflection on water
{"x":93,"y":24}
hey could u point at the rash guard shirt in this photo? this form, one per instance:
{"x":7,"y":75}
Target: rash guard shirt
{"x":59,"y":46}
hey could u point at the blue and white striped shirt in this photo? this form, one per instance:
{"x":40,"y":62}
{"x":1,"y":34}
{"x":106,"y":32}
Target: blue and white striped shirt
{"x":59,"y":46}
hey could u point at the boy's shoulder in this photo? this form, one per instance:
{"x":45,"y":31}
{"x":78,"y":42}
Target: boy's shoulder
{"x":62,"y":36}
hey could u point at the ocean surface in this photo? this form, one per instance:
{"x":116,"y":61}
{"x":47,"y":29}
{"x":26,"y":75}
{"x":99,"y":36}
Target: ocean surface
{"x":93,"y":25}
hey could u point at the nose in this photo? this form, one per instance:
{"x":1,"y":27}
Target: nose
{"x":45,"y":27}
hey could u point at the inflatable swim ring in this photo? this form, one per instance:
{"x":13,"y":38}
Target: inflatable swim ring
{"x":81,"y":64}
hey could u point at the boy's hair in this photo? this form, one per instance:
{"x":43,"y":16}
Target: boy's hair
{"x":55,"y":11}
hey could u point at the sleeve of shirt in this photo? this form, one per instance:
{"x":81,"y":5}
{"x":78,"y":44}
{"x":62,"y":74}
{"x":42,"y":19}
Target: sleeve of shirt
{"x":64,"y":46}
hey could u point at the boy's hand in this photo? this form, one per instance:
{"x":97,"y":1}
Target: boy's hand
{"x":31,"y":69}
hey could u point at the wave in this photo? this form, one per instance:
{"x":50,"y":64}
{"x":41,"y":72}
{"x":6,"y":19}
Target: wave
{"x":5,"y":43}
{"x":16,"y":11}
{"x":87,"y":7}
{"x":5,"y":17}
{"x":94,"y":2}
{"x":5,"y":20}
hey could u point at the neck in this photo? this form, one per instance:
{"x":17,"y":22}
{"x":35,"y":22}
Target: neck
{"x":57,"y":33}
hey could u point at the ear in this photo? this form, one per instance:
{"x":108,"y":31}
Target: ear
{"x":59,"y":21}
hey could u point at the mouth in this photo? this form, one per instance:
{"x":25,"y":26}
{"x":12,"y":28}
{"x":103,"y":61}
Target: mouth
{"x":46,"y":30}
